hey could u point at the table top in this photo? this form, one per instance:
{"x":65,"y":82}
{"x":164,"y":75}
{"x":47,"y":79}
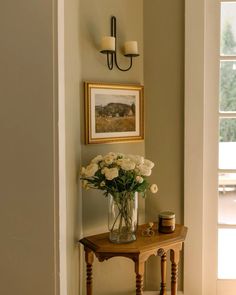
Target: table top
{"x":100,"y":243}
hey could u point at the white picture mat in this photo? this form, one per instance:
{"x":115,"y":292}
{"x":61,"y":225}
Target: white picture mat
{"x":119,"y":93}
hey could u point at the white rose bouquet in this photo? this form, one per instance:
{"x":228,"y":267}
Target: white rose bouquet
{"x":120,"y":177}
{"x":116,"y":173}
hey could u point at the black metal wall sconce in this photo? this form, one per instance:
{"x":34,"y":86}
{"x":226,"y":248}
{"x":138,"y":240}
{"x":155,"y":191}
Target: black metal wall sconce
{"x":109,"y":47}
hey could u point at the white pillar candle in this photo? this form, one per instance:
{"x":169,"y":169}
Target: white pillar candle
{"x":131,"y":47}
{"x":108,"y":43}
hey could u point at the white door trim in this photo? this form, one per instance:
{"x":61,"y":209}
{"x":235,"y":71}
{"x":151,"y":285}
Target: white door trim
{"x":201,"y":136}
{"x":62,"y":144}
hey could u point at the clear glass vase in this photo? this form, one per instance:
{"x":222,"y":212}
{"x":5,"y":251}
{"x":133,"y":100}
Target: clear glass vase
{"x":122,"y":217}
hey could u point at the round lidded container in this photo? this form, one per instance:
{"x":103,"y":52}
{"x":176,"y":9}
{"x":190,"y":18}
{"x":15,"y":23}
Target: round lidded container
{"x":166,"y":222}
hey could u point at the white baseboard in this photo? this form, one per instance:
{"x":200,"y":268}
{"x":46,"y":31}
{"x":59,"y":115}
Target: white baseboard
{"x":157,"y":293}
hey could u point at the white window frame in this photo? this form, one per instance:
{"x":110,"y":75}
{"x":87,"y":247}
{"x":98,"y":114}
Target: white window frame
{"x":201,"y":151}
{"x":226,"y":285}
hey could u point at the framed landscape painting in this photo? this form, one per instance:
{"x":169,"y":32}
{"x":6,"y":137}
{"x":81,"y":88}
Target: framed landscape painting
{"x":113,"y":113}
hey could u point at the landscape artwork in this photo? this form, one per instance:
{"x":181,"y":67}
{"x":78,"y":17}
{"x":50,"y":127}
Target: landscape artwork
{"x":113,"y":113}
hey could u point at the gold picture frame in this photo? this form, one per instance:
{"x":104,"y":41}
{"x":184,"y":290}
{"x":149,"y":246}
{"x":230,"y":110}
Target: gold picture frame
{"x":113,"y":113}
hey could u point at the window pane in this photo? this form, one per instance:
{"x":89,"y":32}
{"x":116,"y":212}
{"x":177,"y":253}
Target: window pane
{"x":227,"y":144}
{"x":227,"y":198}
{"x":227,"y":130}
{"x":228,"y":28}
{"x":226,"y":253}
{"x":228,"y":86}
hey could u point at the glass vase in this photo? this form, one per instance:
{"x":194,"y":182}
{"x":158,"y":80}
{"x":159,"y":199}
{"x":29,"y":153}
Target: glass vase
{"x":122,"y":217}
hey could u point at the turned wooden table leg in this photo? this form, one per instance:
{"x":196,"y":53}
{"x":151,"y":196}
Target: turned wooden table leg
{"x":174,"y":257}
{"x":162,"y":253}
{"x":139,"y":270}
{"x":89,"y":256}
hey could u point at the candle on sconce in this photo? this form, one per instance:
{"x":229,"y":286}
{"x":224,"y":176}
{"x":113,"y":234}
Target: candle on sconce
{"x":131,"y":47}
{"x":108,"y":43}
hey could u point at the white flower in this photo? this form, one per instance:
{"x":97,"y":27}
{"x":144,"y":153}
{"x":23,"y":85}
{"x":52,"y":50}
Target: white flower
{"x":97,"y":159}
{"x":127,"y":164}
{"x":139,"y":179}
{"x":144,"y":170}
{"x":102,"y":183}
{"x":108,"y":159}
{"x":138,"y":160}
{"x":148,"y":163}
{"x":111,"y":173}
{"x":102,"y":164}
{"x":119,"y":162}
{"x":104,"y":170}
{"x":91,"y":169}
{"x":85,"y":184}
{"x":154,"y":188}
{"x":82,"y":172}
{"x":113,"y":155}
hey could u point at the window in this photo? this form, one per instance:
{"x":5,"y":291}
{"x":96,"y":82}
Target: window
{"x":206,"y":178}
{"x":227,"y":145}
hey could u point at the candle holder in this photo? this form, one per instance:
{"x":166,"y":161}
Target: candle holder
{"x":109,"y":47}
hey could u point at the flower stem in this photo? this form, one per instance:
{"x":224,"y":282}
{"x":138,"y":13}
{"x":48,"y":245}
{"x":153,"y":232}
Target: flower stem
{"x":123,"y":218}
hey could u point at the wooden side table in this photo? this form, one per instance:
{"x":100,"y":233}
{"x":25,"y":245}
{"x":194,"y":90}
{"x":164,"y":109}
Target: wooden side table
{"x":139,"y":251}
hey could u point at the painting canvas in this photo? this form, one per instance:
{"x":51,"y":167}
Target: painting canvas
{"x":114,"y":113}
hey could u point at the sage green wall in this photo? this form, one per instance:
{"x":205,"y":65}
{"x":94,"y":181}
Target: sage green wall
{"x":28,"y":112}
{"x":27,"y":211}
{"x":114,"y":276}
{"x":163,"y":31}
{"x":164,"y":90}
